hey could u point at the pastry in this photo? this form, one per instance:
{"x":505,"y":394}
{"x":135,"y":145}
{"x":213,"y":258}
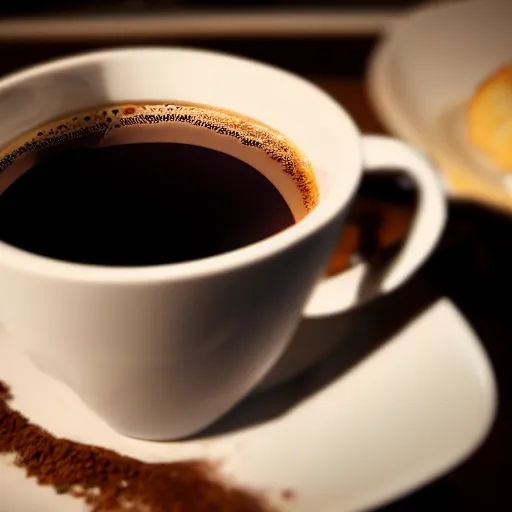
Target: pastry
{"x":489,"y":118}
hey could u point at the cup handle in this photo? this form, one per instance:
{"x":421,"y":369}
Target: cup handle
{"x":340,"y":292}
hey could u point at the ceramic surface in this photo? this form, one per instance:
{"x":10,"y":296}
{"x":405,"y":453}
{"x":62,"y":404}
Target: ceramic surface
{"x":188,"y":341}
{"x":361,"y":428}
{"x":426,"y":69}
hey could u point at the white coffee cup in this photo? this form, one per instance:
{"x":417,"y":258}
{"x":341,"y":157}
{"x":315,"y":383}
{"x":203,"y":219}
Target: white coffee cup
{"x":162,"y":352}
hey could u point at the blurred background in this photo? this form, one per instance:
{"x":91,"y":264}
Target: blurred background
{"x":329,"y":42}
{"x":307,"y":36}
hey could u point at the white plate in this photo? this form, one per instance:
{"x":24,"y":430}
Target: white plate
{"x":405,"y":414}
{"x":427,"y":68}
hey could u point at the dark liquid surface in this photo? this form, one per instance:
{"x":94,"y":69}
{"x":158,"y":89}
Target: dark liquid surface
{"x":140,"y":204}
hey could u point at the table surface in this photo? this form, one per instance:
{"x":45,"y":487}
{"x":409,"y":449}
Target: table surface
{"x":471,"y":267}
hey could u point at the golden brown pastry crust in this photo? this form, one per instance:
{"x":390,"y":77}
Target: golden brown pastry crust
{"x":489,"y":118}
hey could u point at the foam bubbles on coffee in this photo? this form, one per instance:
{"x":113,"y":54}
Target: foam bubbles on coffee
{"x":105,"y":121}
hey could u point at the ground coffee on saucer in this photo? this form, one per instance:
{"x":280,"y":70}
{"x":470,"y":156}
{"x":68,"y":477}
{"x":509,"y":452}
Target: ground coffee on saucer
{"x":108,"y":481}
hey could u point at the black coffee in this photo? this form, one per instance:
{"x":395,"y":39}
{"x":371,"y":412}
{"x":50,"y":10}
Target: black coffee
{"x":135,"y":185}
{"x":140,"y":204}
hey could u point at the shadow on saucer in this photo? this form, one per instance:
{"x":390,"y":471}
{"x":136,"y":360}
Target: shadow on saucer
{"x":324,"y":349}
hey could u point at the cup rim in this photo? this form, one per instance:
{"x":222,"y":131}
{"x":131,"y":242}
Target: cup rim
{"x":317,"y":219}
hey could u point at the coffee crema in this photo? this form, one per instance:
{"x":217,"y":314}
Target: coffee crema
{"x":104,"y":121}
{"x":138,"y":185}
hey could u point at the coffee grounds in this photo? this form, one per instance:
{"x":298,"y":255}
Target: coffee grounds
{"x":108,"y":481}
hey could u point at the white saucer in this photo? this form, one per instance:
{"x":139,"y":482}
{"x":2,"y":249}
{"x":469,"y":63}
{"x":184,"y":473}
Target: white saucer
{"x":427,"y":68}
{"x":340,"y":440}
